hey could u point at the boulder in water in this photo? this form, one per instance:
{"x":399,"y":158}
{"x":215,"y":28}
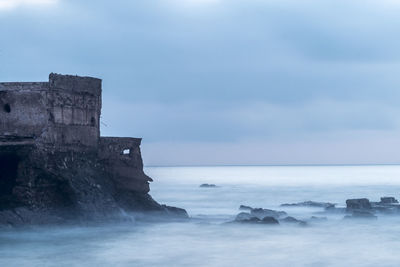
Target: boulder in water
{"x":387,"y":205}
{"x":262,"y":213}
{"x":245,"y":217}
{"x":208,"y":185}
{"x":358,"y":204}
{"x":389,"y":200}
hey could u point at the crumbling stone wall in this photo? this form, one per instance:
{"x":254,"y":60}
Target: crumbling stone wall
{"x":23,"y":109}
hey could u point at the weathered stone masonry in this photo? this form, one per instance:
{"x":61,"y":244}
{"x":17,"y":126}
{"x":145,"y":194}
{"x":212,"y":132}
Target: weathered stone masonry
{"x":55,"y":166}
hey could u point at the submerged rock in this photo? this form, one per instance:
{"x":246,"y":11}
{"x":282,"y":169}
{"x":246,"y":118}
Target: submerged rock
{"x":245,"y":217}
{"x":269,"y":220}
{"x":361,"y":215}
{"x":262,"y":213}
{"x":334,"y":210}
{"x":291,"y":219}
{"x":310,"y":204}
{"x":387,"y":205}
{"x":208,"y":185}
{"x":243,"y":207}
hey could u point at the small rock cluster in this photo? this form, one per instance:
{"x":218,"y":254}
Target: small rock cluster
{"x":360,"y":208}
{"x":363,"y":208}
{"x":264,"y":216}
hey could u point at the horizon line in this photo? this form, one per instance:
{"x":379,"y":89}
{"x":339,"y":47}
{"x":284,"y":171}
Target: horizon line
{"x":278,"y":165}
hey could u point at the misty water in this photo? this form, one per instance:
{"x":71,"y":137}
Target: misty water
{"x":205,"y":240}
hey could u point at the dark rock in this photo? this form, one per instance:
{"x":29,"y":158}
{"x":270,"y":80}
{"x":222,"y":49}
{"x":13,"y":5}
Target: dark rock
{"x":247,"y":218}
{"x":269,"y":220}
{"x":386,"y":205}
{"x":310,"y":204}
{"x":358,"y":204}
{"x":175,"y":212}
{"x":208,"y":185}
{"x":389,"y":200}
{"x":243,"y":207}
{"x":251,"y":220}
{"x":261,"y":213}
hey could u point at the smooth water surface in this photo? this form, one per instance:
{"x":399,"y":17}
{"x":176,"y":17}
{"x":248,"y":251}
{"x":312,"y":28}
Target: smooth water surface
{"x":206,"y":240}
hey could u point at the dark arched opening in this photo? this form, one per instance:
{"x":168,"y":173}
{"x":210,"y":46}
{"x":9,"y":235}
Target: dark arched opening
{"x":7,"y":108}
{"x":8,"y":174}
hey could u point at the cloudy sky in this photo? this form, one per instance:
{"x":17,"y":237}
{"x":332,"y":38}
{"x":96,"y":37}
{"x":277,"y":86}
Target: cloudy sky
{"x":225,"y":81}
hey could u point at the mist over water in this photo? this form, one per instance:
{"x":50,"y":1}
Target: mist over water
{"x":206,"y":241}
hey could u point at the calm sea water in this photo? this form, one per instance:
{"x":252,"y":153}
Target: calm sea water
{"x":206,"y":241}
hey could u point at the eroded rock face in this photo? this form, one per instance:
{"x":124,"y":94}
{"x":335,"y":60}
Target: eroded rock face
{"x":54,"y":165}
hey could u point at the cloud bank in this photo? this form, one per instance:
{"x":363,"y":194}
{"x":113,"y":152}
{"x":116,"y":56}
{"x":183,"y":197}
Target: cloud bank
{"x":242,"y":82}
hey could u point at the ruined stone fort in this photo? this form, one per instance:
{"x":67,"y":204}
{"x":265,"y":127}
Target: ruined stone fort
{"x":54,"y":165}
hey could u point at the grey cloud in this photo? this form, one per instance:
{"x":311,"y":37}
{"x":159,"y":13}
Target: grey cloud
{"x":233,"y":72}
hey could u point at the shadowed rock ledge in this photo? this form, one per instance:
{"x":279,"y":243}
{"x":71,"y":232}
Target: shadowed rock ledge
{"x":54,"y":165}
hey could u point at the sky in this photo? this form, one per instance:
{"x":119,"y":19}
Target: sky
{"x":225,"y":82}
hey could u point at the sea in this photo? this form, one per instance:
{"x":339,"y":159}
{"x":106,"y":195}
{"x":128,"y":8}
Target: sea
{"x":207,"y":239}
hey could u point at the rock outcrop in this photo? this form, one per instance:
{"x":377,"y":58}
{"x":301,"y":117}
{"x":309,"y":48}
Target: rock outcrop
{"x":54,"y":165}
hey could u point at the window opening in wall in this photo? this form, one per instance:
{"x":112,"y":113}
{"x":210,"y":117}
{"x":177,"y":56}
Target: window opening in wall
{"x":126,"y":151}
{"x":51,"y":117}
{"x":7,"y":108}
{"x":93,"y":121}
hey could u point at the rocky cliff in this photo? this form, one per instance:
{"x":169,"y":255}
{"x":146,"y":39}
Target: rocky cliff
{"x":54,"y":165}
